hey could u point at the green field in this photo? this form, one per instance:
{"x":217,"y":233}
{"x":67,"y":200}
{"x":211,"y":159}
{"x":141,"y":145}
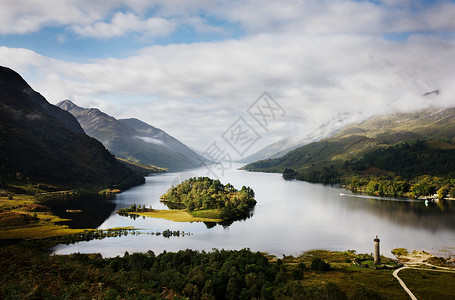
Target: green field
{"x":426,"y":284}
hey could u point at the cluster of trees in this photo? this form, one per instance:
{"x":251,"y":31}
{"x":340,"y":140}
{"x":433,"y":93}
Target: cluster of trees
{"x":204,"y":193}
{"x":406,"y":161}
{"x":323,"y":175}
{"x":399,"y":187}
{"x":134,"y":208}
{"x":412,"y":158}
{"x":186,"y":274}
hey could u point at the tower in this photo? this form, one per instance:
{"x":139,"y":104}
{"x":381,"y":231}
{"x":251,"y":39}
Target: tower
{"x":377,"y":257}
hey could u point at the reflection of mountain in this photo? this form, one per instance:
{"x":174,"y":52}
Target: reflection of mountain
{"x":94,"y":210}
{"x":133,"y":139}
{"x":435,"y":217}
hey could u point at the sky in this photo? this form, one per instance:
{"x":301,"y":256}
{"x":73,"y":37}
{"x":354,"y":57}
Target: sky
{"x":198,"y":69}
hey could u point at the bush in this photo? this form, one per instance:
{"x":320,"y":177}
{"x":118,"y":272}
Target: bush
{"x":400,"y":251}
{"x":319,"y":265}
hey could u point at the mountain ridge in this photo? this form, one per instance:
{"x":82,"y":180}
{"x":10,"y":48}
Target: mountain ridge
{"x":133,"y":139}
{"x":40,"y":143}
{"x":333,"y":158}
{"x":285,"y":145}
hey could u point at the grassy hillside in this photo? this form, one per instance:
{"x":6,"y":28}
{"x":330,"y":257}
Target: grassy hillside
{"x":406,"y":145}
{"x":141,"y":169}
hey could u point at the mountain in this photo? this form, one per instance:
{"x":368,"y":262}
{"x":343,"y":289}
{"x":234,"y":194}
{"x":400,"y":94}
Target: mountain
{"x":133,"y":139}
{"x":275,"y":150}
{"x":288,"y":144}
{"x":41,"y":143}
{"x":369,"y":147}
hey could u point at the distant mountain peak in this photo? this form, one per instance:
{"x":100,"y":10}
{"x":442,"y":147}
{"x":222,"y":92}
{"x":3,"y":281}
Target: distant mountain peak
{"x":435,"y":92}
{"x":67,"y":105}
{"x":134,"y":139}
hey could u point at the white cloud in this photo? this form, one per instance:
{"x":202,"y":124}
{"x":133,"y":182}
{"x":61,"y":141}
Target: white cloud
{"x":116,"y":17}
{"x":208,"y":85}
{"x":25,"y":16}
{"x":151,"y":140}
{"x":317,"y":58}
{"x":124,"y":23}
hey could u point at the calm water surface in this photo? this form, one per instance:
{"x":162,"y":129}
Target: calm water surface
{"x":290,"y":217}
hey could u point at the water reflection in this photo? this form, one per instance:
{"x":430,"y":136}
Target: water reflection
{"x":406,"y":212}
{"x":225,"y":224}
{"x":289,"y":217}
{"x":83,"y":211}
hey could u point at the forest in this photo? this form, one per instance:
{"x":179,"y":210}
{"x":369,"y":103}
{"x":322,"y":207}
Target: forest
{"x":411,"y":168}
{"x":399,"y":187}
{"x":203,"y":194}
{"x":186,"y":274}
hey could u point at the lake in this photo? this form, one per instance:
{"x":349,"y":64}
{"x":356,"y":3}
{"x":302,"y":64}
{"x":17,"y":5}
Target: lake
{"x":290,"y":217}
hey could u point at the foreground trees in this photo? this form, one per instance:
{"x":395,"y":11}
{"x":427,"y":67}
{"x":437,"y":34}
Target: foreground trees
{"x":187,"y":274}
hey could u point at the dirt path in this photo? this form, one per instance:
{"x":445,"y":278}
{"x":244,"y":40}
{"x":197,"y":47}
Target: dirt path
{"x":413,"y":262}
{"x":403,"y":285}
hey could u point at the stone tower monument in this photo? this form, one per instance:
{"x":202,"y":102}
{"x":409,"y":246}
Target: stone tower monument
{"x":377,"y":257}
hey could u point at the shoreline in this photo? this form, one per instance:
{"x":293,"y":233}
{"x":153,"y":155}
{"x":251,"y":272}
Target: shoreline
{"x":175,"y":215}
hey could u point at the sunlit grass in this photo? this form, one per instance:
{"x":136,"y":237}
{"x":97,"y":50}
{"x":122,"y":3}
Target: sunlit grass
{"x":38,"y":231}
{"x":39,"y":224}
{"x":16,"y":202}
{"x":347,"y":275}
{"x":207,"y":213}
{"x":176,"y":215}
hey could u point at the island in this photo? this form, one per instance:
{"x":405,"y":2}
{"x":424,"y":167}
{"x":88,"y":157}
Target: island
{"x":200,"y":199}
{"x":204,"y":197}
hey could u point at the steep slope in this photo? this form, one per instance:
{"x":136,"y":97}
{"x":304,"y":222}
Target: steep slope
{"x":40,"y":143}
{"x":133,"y":139}
{"x":359,"y":148}
{"x":150,"y":133}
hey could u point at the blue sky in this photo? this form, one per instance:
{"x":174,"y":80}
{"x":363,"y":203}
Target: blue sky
{"x":193,"y":67}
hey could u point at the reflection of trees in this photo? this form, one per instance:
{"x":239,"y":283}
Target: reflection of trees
{"x":95,"y":209}
{"x":131,"y":216}
{"x":439,"y":215}
{"x":227,"y":223}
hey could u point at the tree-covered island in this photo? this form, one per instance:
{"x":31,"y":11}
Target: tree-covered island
{"x":208,"y":198}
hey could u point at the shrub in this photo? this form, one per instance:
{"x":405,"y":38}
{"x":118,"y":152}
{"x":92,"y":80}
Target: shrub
{"x":319,"y":265}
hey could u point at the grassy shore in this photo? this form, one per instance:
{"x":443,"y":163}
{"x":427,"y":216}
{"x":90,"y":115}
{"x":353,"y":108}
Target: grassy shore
{"x":178,"y":215}
{"x":22,"y":217}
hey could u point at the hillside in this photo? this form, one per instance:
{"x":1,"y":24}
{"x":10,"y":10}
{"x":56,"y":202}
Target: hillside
{"x":133,"y":139}
{"x":286,"y":145}
{"x":372,"y":148}
{"x":40,"y":143}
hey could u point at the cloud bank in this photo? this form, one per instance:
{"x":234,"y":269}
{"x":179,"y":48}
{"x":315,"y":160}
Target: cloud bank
{"x":316,"y":58}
